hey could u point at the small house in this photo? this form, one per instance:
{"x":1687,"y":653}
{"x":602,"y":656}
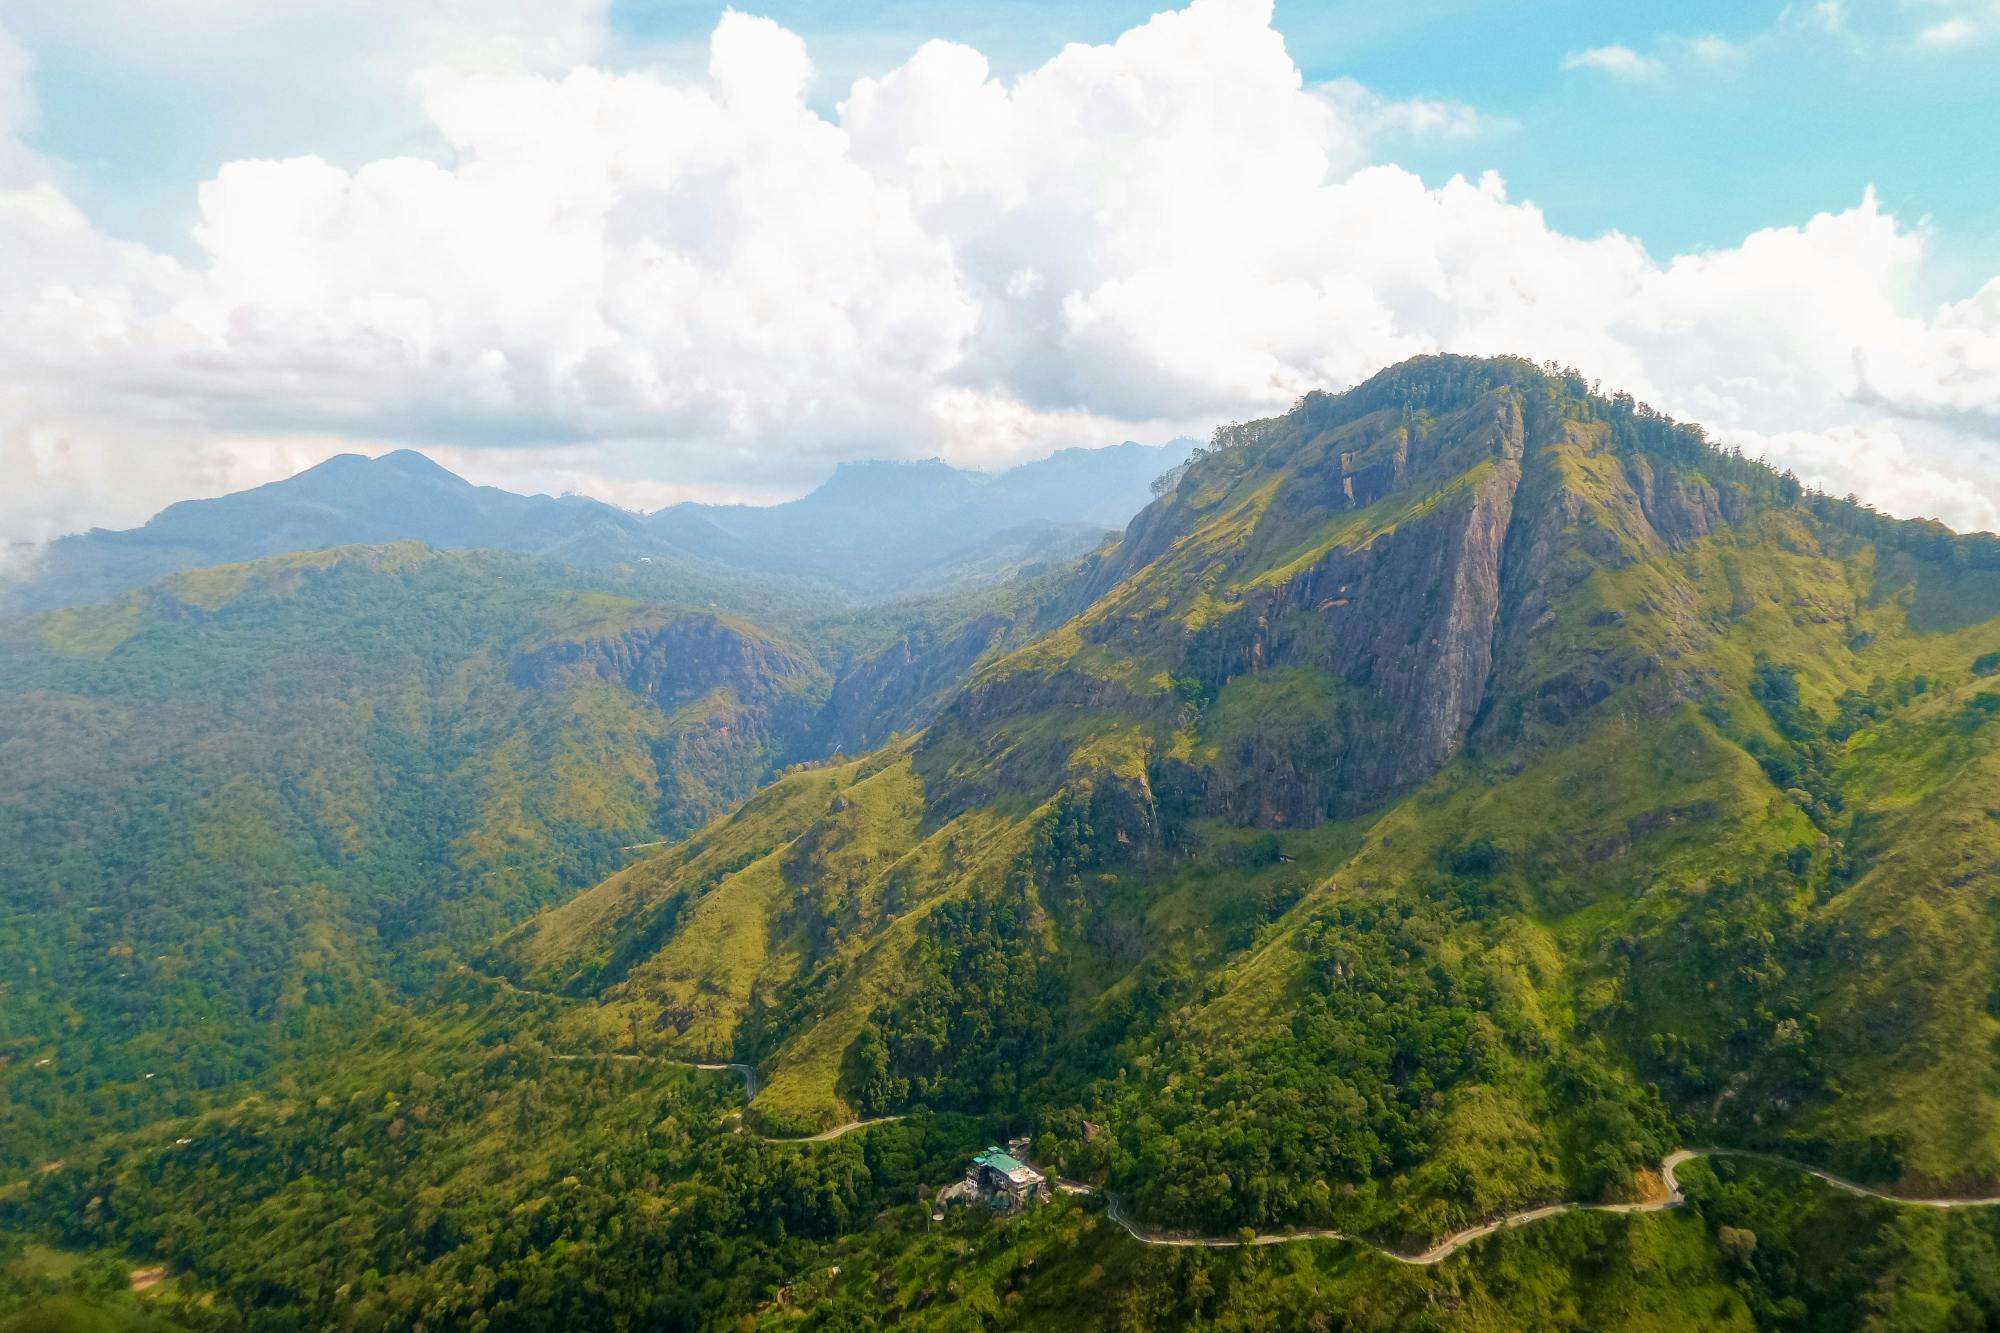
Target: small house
{"x":1004,"y":1179}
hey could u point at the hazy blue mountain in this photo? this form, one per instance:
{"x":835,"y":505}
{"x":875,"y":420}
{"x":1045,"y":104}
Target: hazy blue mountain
{"x":873,"y":529}
{"x":883,"y":527}
{"x":347,"y":500}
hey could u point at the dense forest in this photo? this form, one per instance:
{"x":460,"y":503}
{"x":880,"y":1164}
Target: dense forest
{"x":1445,"y":801}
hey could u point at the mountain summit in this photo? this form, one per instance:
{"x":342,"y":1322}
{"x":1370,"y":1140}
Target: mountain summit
{"x":1465,"y":800}
{"x":1447,"y":795}
{"x":873,"y":530}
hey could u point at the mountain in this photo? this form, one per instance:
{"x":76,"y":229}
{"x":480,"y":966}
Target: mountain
{"x":1443,"y":802}
{"x":872,"y":531}
{"x":347,"y":500}
{"x":236,"y":806}
{"x":341,"y":759}
{"x":1450,"y":796}
{"x":904,"y":526}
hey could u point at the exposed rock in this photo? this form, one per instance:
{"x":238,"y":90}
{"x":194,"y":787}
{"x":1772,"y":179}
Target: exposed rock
{"x":742,"y":702}
{"x":674,"y":661}
{"x":901,"y":686}
{"x":1681,"y":509}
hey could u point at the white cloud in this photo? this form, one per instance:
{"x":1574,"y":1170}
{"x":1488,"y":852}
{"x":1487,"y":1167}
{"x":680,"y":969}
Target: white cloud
{"x":1380,"y":118}
{"x":1618,"y":61}
{"x":1949,"y":25}
{"x":1955,"y":31}
{"x":18,"y":165}
{"x":1716,"y":51}
{"x":1827,"y":16}
{"x":648,"y":287}
{"x":1871,"y":25}
{"x":327,"y":38}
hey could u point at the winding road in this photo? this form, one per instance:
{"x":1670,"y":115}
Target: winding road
{"x":1437,"y":1253}
{"x":749,"y":1073}
{"x":1457,"y":1240}
{"x":828,"y":1135}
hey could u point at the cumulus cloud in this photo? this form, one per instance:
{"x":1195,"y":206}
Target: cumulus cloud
{"x":389,"y":38}
{"x":1716,"y":51}
{"x":1377,"y":118}
{"x":1618,"y":61}
{"x":648,"y":286}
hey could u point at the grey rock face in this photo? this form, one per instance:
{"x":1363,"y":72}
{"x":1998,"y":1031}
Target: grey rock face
{"x":674,"y":662}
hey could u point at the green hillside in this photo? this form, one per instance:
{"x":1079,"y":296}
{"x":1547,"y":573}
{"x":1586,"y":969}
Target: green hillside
{"x":236,"y":809}
{"x":1445,"y":800}
{"x":1453,"y":795}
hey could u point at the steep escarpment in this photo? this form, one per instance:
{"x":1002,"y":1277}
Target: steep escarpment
{"x":1307,"y":621}
{"x":673,"y":657}
{"x":738,"y":702}
{"x":1446,"y":796}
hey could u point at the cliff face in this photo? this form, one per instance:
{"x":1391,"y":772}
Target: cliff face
{"x":1337,"y":603}
{"x":737,"y":703}
{"x":899,"y":687}
{"x":674,"y":659}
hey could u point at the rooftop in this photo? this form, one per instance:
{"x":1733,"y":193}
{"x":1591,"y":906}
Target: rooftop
{"x":999,"y":1161}
{"x":1007,"y":1165}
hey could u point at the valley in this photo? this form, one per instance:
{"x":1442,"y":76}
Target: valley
{"x":1470,"y":820}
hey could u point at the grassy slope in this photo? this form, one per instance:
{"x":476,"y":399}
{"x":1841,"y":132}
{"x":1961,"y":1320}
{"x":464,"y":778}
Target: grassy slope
{"x":235,"y":806}
{"x":1446,"y":1002}
{"x":1615,"y":825}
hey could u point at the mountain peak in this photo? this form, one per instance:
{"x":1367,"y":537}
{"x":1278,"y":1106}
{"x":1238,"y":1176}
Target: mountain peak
{"x":351,"y":468}
{"x":409,"y":462}
{"x":876,"y":482}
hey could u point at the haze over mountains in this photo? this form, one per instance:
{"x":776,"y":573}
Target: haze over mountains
{"x":873,"y":530}
{"x":1442,"y":801}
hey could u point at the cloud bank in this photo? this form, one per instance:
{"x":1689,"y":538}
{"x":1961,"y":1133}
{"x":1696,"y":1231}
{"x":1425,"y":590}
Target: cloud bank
{"x":645,"y":286}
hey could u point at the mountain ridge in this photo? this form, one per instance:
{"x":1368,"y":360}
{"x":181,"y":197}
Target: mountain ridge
{"x":864,"y":534}
{"x":1443,"y":591}
{"x":1443,"y":801}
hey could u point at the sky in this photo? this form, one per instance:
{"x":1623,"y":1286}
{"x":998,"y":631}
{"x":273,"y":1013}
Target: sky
{"x":653,"y":249}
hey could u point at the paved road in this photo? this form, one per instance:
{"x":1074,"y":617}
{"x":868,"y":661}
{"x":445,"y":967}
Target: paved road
{"x":749,"y":1073}
{"x":1457,"y":1240}
{"x":827,"y":1135}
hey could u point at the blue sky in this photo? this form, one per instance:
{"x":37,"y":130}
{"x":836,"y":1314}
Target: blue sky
{"x":1800,"y":124}
{"x":653,"y":250}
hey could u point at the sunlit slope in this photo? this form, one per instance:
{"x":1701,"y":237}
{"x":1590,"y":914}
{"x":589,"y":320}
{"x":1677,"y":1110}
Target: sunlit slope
{"x":234,"y":806}
{"x":1449,"y":795}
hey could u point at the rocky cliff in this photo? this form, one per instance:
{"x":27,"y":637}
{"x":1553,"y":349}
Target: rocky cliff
{"x":739,"y":703}
{"x":1332,"y":605}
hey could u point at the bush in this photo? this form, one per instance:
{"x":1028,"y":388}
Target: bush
{"x":1479,"y":857}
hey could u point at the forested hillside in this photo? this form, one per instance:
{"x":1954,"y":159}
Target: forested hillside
{"x":233,"y":808}
{"x":1455,"y":794}
{"x":1445,"y":800}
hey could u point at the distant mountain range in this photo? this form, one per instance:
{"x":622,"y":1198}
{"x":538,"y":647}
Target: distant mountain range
{"x":873,"y":530}
{"x":1443,"y":805}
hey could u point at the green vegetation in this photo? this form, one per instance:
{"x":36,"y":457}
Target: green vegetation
{"x":457,"y":1172}
{"x":44,"y":1288}
{"x":1453,"y":796}
{"x":235,"y":812}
